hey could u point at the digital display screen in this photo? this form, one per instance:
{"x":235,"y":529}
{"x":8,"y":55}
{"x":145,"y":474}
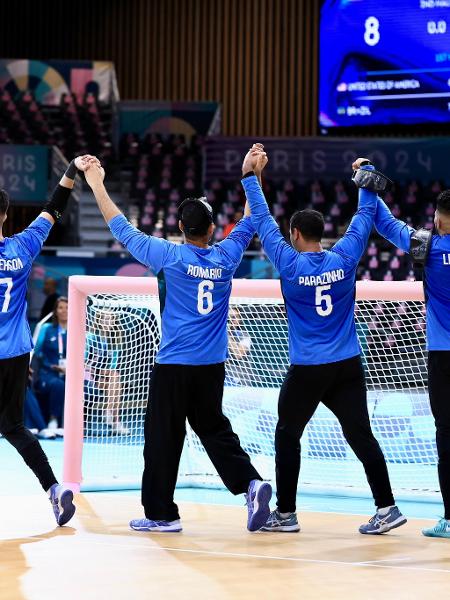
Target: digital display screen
{"x":384,"y":62}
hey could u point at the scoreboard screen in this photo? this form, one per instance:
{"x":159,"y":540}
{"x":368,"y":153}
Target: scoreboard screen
{"x":384,"y":62}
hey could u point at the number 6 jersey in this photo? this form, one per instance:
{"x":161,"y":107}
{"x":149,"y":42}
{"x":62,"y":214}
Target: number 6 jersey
{"x":16,"y":258}
{"x":195,"y":290}
{"x":318,"y":287}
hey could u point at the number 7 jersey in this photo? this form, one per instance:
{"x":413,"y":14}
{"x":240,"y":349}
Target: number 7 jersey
{"x":195,"y":289}
{"x":16,"y":258}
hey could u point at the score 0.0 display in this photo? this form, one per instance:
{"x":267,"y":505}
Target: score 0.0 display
{"x":384,"y":62}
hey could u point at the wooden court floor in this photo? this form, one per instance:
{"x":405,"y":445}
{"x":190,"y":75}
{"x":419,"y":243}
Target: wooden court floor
{"x":98,"y":557}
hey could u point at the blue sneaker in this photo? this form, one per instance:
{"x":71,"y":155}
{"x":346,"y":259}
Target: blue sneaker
{"x":258,"y":498}
{"x":383,"y":523}
{"x":61,"y":499}
{"x":276,"y":522}
{"x":150,"y":526}
{"x":441,"y":529}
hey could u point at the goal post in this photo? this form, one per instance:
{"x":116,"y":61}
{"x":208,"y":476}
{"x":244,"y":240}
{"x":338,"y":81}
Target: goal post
{"x":113,"y":337}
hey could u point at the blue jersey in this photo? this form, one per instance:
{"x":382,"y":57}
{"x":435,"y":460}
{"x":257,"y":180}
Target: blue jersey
{"x":436,"y":274}
{"x":16,"y":258}
{"x":318,"y":287}
{"x":198,"y":282}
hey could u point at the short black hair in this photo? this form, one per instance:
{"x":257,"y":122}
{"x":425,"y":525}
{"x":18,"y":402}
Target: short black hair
{"x":196,"y":216}
{"x":443,"y":202}
{"x":4,"y":202}
{"x":310,"y":223}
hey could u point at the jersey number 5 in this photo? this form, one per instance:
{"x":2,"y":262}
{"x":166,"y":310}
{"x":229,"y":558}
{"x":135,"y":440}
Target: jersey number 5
{"x":9,"y":283}
{"x":204,"y":298}
{"x":322,"y":299}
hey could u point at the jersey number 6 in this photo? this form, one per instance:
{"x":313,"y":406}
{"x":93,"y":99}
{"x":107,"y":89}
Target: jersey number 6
{"x":204,"y":298}
{"x":322,"y":299}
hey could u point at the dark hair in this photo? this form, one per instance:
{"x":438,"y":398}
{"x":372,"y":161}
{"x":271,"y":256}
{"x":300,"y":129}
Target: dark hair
{"x":196,"y":216}
{"x":443,"y":202}
{"x":4,"y":202}
{"x":57,"y":303}
{"x":310,"y":223}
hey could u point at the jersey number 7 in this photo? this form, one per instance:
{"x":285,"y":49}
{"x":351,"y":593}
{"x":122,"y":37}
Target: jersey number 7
{"x":9,"y":283}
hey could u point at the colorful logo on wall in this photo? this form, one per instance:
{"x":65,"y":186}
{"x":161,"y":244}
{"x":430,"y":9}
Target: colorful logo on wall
{"x":49,"y":80}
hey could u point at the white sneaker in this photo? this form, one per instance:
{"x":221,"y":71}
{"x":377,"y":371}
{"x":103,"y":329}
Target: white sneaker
{"x":59,"y":431}
{"x":33,"y":430}
{"x":52,"y":424}
{"x":46,"y":434}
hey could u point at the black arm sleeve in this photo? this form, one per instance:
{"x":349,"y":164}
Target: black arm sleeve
{"x":57,"y":203}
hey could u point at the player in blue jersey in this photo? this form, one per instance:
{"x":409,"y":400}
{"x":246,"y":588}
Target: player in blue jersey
{"x":17,"y":254}
{"x":319,"y":292}
{"x":432,"y":251}
{"x":188,"y":377}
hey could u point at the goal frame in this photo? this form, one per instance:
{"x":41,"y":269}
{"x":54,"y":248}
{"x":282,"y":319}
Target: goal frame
{"x":81,"y":286}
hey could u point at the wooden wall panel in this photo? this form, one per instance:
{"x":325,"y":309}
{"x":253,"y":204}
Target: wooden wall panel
{"x":257,"y":57}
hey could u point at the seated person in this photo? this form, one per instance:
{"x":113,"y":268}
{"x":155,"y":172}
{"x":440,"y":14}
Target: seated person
{"x":102,"y":374}
{"x":34,"y":419}
{"x":50,"y":351}
{"x":239,"y":368}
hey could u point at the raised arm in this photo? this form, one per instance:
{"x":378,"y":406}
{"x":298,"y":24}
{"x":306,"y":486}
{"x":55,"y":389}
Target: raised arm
{"x":236,"y":242}
{"x":354,"y":241}
{"x":148,"y":250}
{"x":282,"y":256}
{"x":37,"y":232}
{"x":395,"y":231}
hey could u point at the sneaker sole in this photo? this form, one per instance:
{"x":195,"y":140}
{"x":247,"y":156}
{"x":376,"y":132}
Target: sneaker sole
{"x":388,"y":527}
{"x":149,"y":530}
{"x":261,"y":508}
{"x":67,"y":507}
{"x":283,"y":529}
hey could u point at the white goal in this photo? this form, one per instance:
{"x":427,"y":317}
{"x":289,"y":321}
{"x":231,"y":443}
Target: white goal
{"x":113,"y":337}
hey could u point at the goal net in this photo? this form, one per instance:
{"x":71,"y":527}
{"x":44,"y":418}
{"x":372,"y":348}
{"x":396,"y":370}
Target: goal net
{"x":109,"y":373}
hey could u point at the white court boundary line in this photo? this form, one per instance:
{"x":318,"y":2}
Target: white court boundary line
{"x":218,"y":553}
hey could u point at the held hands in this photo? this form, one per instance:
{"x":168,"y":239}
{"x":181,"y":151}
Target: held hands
{"x":94,"y":173}
{"x":83,"y":163}
{"x":358,"y":162}
{"x":255,"y":160}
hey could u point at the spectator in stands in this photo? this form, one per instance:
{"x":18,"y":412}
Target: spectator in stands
{"x":51,"y":352}
{"x":239,"y":367}
{"x":49,"y":289}
{"x":229,"y":228}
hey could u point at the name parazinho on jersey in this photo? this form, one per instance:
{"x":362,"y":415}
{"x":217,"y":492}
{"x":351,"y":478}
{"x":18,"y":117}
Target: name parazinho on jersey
{"x":10,"y":264}
{"x":323,"y":279}
{"x":204,"y":273}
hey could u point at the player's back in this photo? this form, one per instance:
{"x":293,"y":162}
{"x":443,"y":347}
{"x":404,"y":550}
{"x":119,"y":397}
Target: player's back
{"x":15,"y":267}
{"x":320,"y":297}
{"x":195,"y":292}
{"x":437,"y":291}
{"x":194,"y":305}
{"x":16,"y":258}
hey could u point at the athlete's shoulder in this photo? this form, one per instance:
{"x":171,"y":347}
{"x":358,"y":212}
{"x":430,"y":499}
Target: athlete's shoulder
{"x":439,"y":252}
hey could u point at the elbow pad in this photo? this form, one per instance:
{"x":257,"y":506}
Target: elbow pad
{"x":58,"y":201}
{"x":372,"y":180}
{"x":420,"y":246}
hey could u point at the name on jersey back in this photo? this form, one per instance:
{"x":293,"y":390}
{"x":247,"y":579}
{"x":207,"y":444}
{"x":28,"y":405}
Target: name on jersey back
{"x":323,"y":279}
{"x":204,"y":273}
{"x":10,"y":264}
